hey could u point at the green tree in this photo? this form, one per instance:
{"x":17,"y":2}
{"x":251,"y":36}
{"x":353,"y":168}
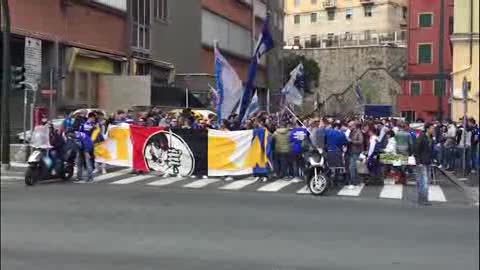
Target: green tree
{"x":310,"y":68}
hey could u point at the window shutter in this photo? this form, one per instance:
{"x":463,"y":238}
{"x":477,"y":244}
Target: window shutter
{"x":425,"y":54}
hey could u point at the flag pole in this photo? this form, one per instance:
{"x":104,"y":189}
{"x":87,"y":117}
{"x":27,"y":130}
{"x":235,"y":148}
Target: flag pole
{"x":268,"y":100}
{"x":296,"y":118}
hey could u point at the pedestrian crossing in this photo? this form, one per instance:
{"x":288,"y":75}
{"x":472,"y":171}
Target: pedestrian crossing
{"x":386,"y":192}
{"x":251,"y":184}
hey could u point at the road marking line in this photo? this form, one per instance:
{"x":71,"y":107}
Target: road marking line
{"x":435,"y":194}
{"x":201,"y":183}
{"x":275,"y":186}
{"x":19,"y":165}
{"x":111,"y":175}
{"x":392,"y":192}
{"x":354,"y":192}
{"x":238,"y":184}
{"x":9,"y":177}
{"x":131,"y":180}
{"x":304,"y":190}
{"x":166,"y":181}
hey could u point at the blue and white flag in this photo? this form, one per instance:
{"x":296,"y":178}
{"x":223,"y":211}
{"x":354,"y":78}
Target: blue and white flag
{"x":358,"y":93}
{"x":264,"y":44}
{"x":291,"y":88}
{"x":252,"y":108}
{"x":229,"y":86}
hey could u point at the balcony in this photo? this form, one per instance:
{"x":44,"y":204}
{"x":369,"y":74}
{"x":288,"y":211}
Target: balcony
{"x":366,"y":2}
{"x":329,"y":4}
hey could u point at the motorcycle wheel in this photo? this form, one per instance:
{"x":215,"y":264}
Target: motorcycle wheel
{"x":318,"y":185}
{"x":31,"y":176}
{"x":67,"y":173}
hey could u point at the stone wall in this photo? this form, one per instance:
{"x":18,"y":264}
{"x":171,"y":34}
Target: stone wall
{"x":378,"y":70}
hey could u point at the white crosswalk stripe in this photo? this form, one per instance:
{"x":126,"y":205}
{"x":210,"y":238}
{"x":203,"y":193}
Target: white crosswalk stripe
{"x":111,"y":175}
{"x":131,"y":180}
{"x":237,"y":185}
{"x":354,"y":192}
{"x":201,"y":183}
{"x":435,"y":194}
{"x":275,"y":186}
{"x":303,"y":190}
{"x":11,"y":177}
{"x":392,"y":192}
{"x":395,"y":191}
{"x":166,"y":181}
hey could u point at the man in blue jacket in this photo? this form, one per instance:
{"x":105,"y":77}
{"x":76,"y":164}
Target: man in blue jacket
{"x":84,"y":155}
{"x":298,"y":137}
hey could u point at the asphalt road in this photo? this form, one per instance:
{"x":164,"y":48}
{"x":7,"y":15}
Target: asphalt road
{"x":64,"y":226}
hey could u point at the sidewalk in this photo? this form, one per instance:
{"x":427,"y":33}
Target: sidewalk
{"x":469,"y":184}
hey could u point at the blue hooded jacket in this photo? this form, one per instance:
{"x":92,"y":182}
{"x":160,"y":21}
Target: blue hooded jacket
{"x":335,"y":139}
{"x":87,"y":142}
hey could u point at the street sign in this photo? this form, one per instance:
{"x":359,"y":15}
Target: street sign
{"x":48,"y":92}
{"x":33,"y":60}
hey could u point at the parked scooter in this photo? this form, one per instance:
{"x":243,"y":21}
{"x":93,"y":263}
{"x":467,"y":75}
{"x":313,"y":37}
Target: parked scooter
{"x":316,"y":172}
{"x":41,"y":165}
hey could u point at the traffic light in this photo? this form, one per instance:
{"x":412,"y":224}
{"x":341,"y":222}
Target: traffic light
{"x":18,"y":78}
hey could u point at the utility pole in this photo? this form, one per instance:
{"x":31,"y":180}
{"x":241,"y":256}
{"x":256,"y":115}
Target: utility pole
{"x":464,"y":132}
{"x":6,"y":85}
{"x":254,"y":27}
{"x":440,"y":61}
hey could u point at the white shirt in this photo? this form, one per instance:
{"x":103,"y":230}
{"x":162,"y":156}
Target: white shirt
{"x":372,"y":142}
{"x":391,"y":146}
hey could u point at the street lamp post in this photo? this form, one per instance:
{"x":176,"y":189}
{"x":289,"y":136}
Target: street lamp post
{"x":464,"y":133}
{"x":6,"y":87}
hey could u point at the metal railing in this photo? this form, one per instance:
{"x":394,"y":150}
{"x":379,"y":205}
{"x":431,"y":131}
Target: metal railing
{"x":366,"y":38}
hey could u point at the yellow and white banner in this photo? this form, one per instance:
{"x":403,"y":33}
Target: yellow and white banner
{"x":117,"y":148}
{"x":236,"y":152}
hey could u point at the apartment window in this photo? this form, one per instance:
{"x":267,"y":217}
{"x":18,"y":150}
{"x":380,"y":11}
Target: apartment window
{"x":415,"y":89}
{"x":425,"y":19}
{"x":331,"y":15}
{"x":141,"y":24}
{"x":307,"y":44}
{"x":296,"y":41}
{"x":313,"y":17}
{"x":425,"y":53}
{"x":348,"y":36}
{"x":313,"y":41}
{"x":297,"y":3}
{"x":404,"y":12}
{"x":368,"y":10}
{"x":367,"y":34}
{"x":160,"y":10}
{"x":439,"y":88}
{"x":348,"y":13}
{"x":296,"y":19}
{"x":409,"y":116}
{"x":231,"y":37}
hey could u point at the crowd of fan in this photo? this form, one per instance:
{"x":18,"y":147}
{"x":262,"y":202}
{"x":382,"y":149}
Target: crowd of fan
{"x":292,"y":137}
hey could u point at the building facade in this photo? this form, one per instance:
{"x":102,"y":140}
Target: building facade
{"x":334,"y":23}
{"x":174,"y":44}
{"x":466,"y":53}
{"x":427,"y":86}
{"x":76,"y":50}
